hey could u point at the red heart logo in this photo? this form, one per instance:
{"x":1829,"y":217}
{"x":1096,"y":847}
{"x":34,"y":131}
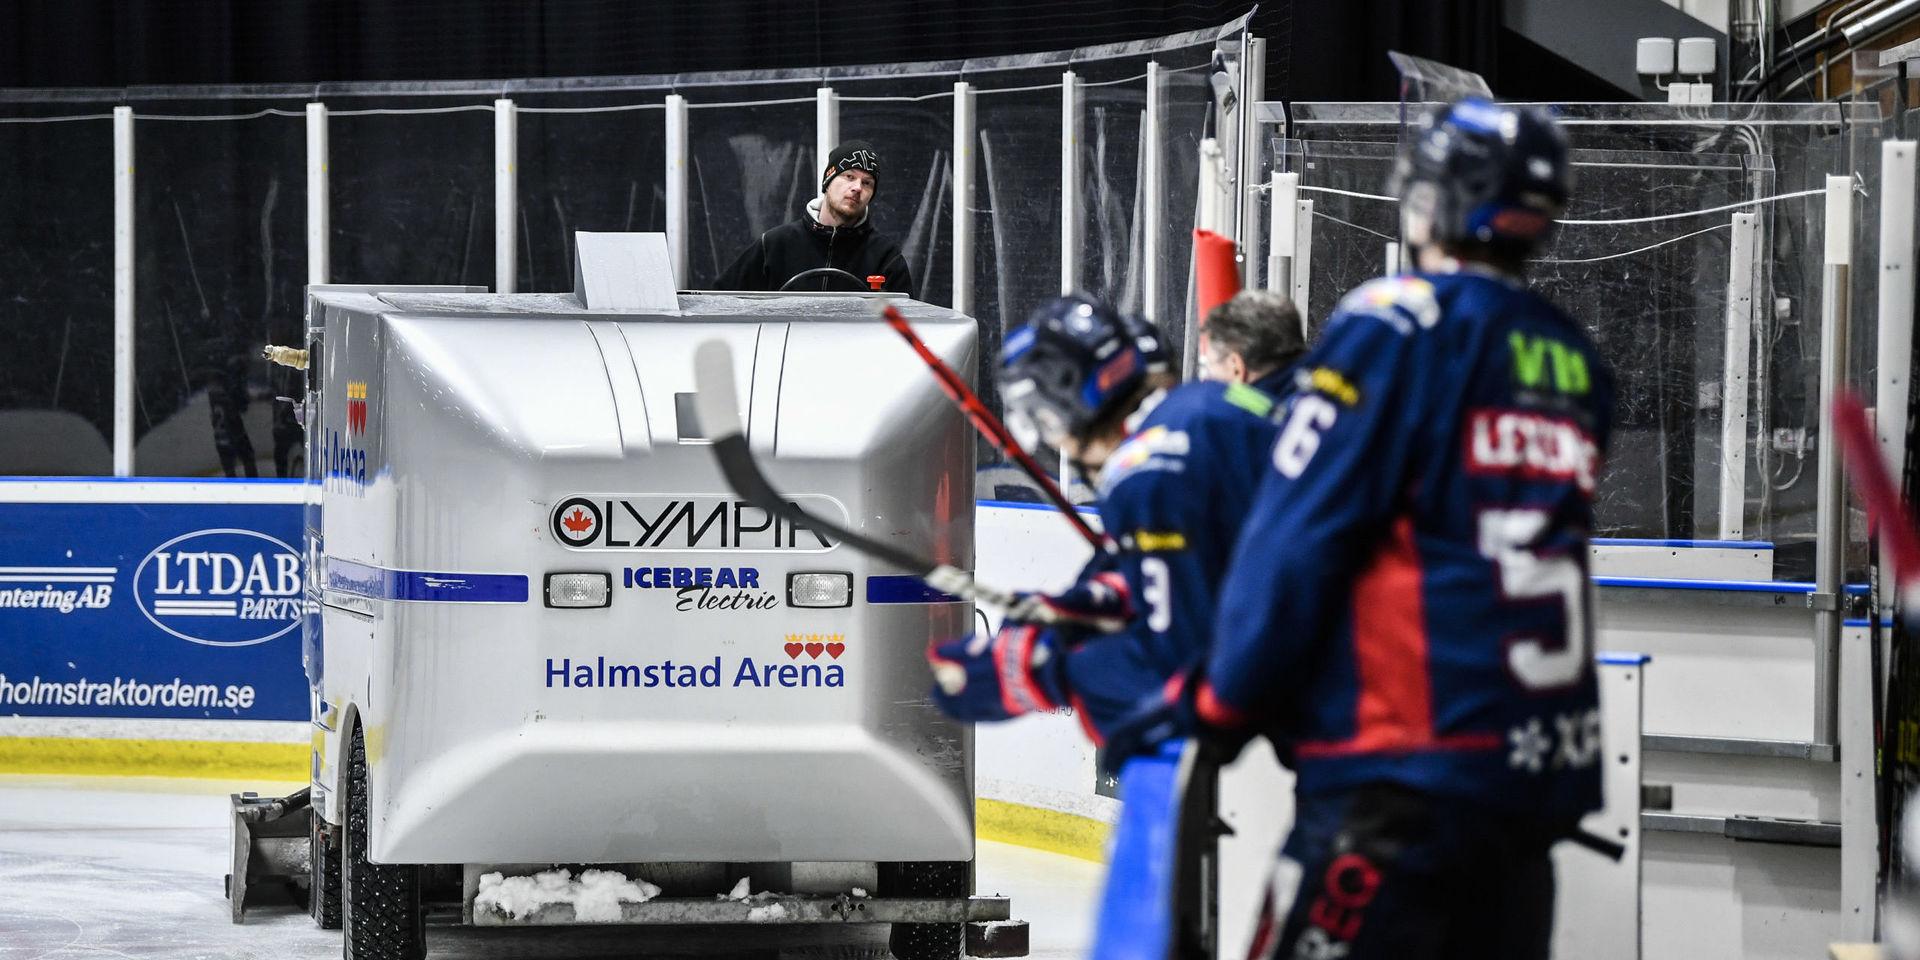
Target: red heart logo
{"x":834,"y":650}
{"x":813,"y":650}
{"x":793,"y":650}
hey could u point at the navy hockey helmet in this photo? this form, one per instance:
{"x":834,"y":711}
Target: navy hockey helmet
{"x":1152,"y":343}
{"x":1072,"y":364}
{"x":1485,"y":172}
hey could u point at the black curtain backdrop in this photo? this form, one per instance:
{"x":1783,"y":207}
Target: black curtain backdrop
{"x":1318,"y":49}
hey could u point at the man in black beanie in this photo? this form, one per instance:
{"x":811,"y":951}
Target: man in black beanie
{"x":834,"y":231}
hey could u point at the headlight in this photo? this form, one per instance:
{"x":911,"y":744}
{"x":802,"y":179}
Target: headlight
{"x":579,"y":589}
{"x":819,"y":589}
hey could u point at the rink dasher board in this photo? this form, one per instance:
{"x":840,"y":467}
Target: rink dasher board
{"x":1033,"y":555}
{"x":151,"y":608}
{"x":1682,"y":559}
{"x":277,"y":733}
{"x":200,"y":490}
{"x":1767,"y":846}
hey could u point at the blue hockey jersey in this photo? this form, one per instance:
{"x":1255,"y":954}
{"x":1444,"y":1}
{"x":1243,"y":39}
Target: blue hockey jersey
{"x":1408,"y":601}
{"x":1173,"y":497}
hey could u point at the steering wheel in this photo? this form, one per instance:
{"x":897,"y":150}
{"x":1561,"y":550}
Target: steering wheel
{"x":858,"y":283}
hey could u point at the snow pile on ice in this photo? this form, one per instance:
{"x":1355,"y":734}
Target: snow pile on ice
{"x":761,"y":906}
{"x":767,"y":914}
{"x":601,"y":892}
{"x":596,"y":895}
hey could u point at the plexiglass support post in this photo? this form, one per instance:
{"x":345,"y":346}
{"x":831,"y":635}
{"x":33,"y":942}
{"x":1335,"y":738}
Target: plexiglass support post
{"x":1895,"y":322}
{"x":1153,"y":214}
{"x":319,"y":222}
{"x":1283,"y":195}
{"x":1742,"y":265}
{"x":1303,"y":260}
{"x":1859,"y":827}
{"x":677,"y":187}
{"x":506,"y":215}
{"x":1830,"y":527}
{"x":123,"y":273}
{"x":1252,"y":240}
{"x":1211,"y":213}
{"x":963,"y":165}
{"x":1069,"y":182}
{"x":826,"y":125}
{"x":1228,"y":111}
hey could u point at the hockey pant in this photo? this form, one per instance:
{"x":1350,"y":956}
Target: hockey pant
{"x":1384,"y":872}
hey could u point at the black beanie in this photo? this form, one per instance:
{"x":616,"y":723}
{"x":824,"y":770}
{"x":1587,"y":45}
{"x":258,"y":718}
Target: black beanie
{"x":852,"y":155}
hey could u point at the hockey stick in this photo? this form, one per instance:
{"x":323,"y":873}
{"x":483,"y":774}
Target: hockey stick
{"x":714,"y":403}
{"x":1886,"y":514}
{"x":990,"y":427}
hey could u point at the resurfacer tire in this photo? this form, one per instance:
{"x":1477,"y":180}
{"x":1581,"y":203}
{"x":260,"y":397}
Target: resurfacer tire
{"x":382,"y":918}
{"x":323,"y":885}
{"x":939,"y":878}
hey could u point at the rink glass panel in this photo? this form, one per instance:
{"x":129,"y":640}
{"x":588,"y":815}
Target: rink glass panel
{"x":1016,"y":227}
{"x":1114,"y":181}
{"x":909,"y":121}
{"x":56,"y":319}
{"x":598,"y":172}
{"x":750,"y":168}
{"x":412,"y":194}
{"x":1110,"y":192}
{"x":1187,"y":99}
{"x":220,"y":218}
{"x":1660,"y":313}
{"x":221,"y":259}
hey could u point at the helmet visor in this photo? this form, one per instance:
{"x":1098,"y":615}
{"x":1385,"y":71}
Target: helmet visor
{"x":1030,"y":418}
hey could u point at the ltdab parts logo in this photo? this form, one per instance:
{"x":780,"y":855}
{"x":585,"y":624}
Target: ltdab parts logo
{"x":221,"y":587}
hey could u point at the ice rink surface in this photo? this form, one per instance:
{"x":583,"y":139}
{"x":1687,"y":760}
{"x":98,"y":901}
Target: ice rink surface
{"x":93,"y":867}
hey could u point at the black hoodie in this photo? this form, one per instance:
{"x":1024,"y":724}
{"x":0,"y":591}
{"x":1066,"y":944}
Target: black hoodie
{"x":804,"y":243}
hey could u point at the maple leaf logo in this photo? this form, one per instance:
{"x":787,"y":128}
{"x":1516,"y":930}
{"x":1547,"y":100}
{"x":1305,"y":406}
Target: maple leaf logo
{"x":577,"y":521}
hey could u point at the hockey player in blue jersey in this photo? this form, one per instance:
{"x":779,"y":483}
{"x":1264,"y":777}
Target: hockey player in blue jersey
{"x":1175,"y":466}
{"x":1407,"y":611}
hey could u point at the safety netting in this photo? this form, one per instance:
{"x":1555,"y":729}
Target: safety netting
{"x":221,"y":234}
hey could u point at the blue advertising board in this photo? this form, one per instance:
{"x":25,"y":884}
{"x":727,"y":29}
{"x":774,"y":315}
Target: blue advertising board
{"x":165,"y":610}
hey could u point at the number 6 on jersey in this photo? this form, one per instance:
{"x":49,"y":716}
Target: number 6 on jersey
{"x":1300,"y":439}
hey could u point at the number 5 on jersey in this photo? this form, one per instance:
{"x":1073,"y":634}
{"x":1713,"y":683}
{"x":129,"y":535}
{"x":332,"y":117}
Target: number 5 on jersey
{"x":1507,"y":538}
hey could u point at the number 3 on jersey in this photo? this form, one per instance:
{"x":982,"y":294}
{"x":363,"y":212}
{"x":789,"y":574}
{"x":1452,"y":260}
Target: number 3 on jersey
{"x":1157,"y":590}
{"x":1507,"y":538}
{"x":1300,"y":438}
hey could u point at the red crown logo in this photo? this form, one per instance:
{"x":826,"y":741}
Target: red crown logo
{"x":815,"y":644}
{"x":356,"y":407}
